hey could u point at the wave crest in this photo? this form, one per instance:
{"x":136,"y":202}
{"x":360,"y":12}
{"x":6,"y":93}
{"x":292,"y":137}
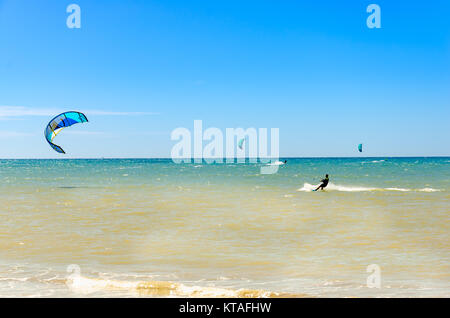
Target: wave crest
{"x":85,"y":285}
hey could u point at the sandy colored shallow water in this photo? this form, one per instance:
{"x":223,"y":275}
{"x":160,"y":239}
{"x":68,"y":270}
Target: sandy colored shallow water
{"x":153,"y":228}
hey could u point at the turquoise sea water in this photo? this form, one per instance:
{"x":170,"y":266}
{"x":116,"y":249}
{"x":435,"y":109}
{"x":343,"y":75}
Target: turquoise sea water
{"x":150,"y":227}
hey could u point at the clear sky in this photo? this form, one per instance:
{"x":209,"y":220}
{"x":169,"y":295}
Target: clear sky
{"x":139,"y":69}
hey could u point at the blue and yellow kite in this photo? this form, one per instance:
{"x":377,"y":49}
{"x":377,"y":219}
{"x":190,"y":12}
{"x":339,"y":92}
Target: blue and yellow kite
{"x":57,"y":124}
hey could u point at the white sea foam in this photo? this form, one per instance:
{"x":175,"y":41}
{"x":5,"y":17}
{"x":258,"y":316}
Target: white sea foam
{"x":334,"y":187}
{"x":276,"y":163}
{"x":309,"y":187}
{"x":429,"y":190}
{"x":397,"y":189}
{"x":85,"y":285}
{"x":374,"y":161}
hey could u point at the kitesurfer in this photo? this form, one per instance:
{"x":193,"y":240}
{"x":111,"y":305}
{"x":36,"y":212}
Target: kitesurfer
{"x":323,"y":184}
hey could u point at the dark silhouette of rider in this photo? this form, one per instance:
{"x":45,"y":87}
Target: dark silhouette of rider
{"x":324,"y":183}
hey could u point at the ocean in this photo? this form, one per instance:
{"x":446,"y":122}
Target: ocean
{"x":153,"y":228}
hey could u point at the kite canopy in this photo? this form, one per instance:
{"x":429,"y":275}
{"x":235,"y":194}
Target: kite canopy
{"x":241,"y":142}
{"x":60,"y":122}
{"x":360,"y":147}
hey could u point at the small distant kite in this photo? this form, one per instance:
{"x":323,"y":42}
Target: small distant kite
{"x":360,"y":147}
{"x":241,"y":143}
{"x":57,"y":124}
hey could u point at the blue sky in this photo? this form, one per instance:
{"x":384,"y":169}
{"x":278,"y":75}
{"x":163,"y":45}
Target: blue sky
{"x":139,"y":69}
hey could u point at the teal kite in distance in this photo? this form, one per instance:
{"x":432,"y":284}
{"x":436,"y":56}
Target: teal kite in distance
{"x":360,"y":147}
{"x":57,"y":124}
{"x":241,"y":142}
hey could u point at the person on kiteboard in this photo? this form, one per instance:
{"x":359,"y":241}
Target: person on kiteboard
{"x":324,"y":183}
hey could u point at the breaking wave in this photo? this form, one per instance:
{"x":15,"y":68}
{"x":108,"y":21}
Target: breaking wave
{"x":85,"y":285}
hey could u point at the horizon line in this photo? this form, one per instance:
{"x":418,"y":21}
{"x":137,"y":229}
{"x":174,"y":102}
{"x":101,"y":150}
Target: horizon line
{"x":224,"y":158}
